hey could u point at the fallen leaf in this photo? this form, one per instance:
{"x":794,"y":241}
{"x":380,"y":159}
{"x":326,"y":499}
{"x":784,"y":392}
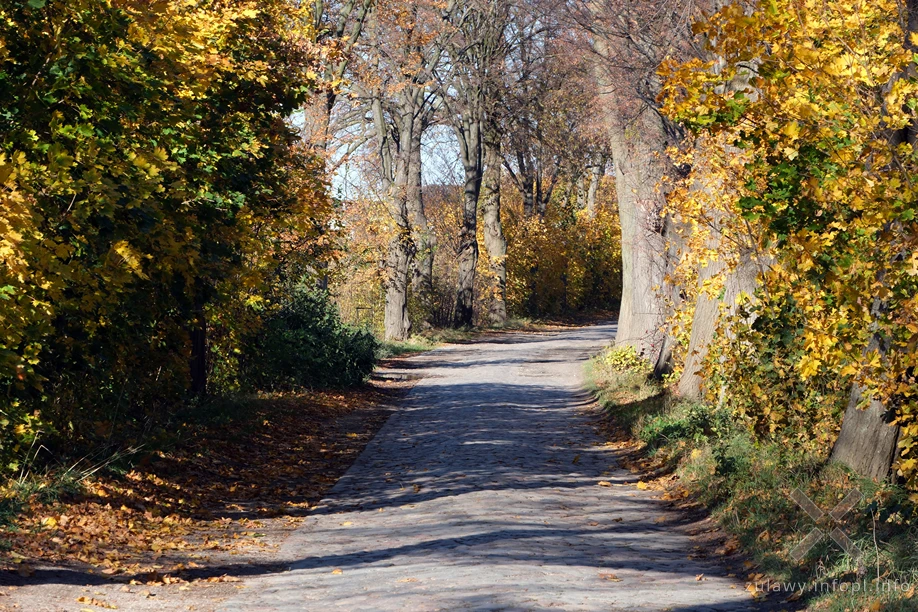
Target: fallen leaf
{"x":610,"y":577}
{"x":337,"y":570}
{"x":604,"y":483}
{"x":96,"y":602}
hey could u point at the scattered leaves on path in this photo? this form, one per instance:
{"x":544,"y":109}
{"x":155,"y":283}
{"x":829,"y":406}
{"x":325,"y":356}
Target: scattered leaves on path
{"x":225,"y":491}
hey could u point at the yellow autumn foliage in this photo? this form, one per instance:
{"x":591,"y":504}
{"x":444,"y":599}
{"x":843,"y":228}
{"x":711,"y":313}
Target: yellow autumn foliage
{"x":148,"y":183}
{"x":801,"y":156}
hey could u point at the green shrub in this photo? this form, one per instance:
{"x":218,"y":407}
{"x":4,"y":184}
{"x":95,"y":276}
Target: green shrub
{"x":687,"y":422}
{"x":623,"y":359}
{"x":305,"y":344}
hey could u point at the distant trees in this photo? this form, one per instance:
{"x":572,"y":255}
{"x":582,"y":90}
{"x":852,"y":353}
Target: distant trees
{"x":511,"y":83}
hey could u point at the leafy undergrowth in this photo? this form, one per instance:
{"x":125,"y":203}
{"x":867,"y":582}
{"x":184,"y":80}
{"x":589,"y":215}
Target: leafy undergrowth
{"x":698,"y":454}
{"x":240,"y":476}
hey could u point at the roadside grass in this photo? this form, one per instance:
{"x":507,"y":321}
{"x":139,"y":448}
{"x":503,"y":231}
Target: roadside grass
{"x":415,"y":344}
{"x":746,"y":484}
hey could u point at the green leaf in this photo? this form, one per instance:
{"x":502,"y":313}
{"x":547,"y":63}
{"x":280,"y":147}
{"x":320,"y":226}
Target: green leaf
{"x":37,"y":4}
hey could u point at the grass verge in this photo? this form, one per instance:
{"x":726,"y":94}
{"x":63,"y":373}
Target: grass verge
{"x":747,"y":485}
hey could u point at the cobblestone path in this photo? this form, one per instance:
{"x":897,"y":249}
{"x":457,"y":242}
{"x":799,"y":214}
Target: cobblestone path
{"x":481,"y":493}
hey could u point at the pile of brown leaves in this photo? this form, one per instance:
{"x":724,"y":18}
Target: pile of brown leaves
{"x":223,"y":491}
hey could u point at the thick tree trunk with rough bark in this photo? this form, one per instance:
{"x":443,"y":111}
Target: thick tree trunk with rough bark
{"x":673,"y":241}
{"x":581,"y":190}
{"x":468,"y":251}
{"x":494,"y":240}
{"x":867,"y":440}
{"x":468,"y":132}
{"x":394,"y":156}
{"x":398,"y":263}
{"x":704,"y":322}
{"x":634,"y":145}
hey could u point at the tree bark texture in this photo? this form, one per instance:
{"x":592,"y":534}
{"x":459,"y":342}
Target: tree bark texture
{"x":704,"y":322}
{"x":398,"y":264}
{"x":468,"y":251}
{"x":468,"y":132}
{"x":867,"y":440}
{"x":495,"y":243}
{"x":633,"y":145}
{"x":424,"y":238}
{"x":673,"y":244}
{"x":394,"y":148}
{"x":596,"y":173}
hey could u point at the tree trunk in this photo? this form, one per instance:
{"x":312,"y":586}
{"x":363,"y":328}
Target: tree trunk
{"x":398,"y":264}
{"x":394,"y":156}
{"x":468,"y":251}
{"x":596,"y":173}
{"x":673,"y":244}
{"x":468,"y":132}
{"x":867,"y":440}
{"x":704,"y":322}
{"x":494,"y":240}
{"x":528,"y":186}
{"x":581,"y":188}
{"x":424,"y":238}
{"x":198,"y":363}
{"x":637,"y":173}
{"x":541,"y":202}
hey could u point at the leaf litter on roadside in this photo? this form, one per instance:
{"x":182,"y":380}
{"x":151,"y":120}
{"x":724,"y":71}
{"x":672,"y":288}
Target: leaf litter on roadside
{"x":159,"y":522}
